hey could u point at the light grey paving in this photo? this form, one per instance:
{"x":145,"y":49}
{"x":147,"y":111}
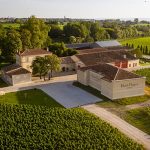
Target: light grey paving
{"x":68,"y":95}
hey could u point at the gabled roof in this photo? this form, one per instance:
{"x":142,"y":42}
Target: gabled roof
{"x":105,"y":57}
{"x":36,"y":52}
{"x":112,"y":43}
{"x":110,"y":72}
{"x":67,"y":60}
{"x":94,"y":50}
{"x":14,"y":69}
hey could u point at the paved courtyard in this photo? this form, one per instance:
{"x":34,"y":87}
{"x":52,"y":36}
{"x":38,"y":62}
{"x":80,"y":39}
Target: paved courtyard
{"x":61,"y":89}
{"x":68,"y":95}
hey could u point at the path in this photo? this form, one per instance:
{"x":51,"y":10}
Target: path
{"x":122,"y":125}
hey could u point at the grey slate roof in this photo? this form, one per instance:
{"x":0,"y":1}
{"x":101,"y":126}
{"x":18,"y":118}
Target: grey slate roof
{"x":78,"y":45}
{"x":112,"y":43}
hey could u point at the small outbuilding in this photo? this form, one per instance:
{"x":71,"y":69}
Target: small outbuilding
{"x":15,"y":74}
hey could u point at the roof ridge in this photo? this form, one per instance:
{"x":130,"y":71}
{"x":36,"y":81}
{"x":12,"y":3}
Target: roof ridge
{"x":14,"y":70}
{"x":117,"y":73}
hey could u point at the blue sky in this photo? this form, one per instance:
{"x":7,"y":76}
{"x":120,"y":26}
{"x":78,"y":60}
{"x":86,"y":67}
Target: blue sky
{"x":75,"y":8}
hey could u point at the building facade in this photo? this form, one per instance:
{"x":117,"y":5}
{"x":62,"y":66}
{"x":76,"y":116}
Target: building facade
{"x":15,"y":74}
{"x":111,"y":81}
{"x":26,"y":58}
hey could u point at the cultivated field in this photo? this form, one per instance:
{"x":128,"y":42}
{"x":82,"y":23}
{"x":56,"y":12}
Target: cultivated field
{"x":39,"y":127}
{"x":138,"y":42}
{"x":11,"y":25}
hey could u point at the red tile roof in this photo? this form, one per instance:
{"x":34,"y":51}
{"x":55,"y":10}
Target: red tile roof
{"x":105,"y":57}
{"x":111,"y":72}
{"x":14,"y":70}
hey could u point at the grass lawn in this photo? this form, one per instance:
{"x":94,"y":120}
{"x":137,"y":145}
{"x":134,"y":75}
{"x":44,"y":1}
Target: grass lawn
{"x":139,"y":118}
{"x":33,"y":97}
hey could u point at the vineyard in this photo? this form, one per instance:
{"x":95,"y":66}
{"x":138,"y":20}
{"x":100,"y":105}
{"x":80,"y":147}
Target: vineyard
{"x":39,"y":127}
{"x":141,"y":43}
{"x":145,"y":73}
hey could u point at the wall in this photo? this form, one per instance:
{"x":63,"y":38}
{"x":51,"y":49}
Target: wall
{"x":22,"y":78}
{"x":82,"y":77}
{"x":131,"y":63}
{"x":128,"y":88}
{"x":94,"y":80}
{"x":107,"y":88}
{"x":71,"y":67}
{"x":26,"y":61}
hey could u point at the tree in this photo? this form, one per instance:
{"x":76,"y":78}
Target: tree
{"x":39,"y":67}
{"x":39,"y":31}
{"x":12,"y":44}
{"x":26,"y":39}
{"x":72,"y":39}
{"x":53,"y":64}
{"x":138,"y":52}
{"x":55,"y":32}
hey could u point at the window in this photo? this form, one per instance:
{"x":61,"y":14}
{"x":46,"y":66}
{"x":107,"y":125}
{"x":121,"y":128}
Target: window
{"x":129,"y":65}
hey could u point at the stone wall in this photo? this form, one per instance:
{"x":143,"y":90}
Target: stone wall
{"x":22,"y":78}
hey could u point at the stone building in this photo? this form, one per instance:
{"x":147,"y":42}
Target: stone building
{"x":15,"y":74}
{"x":111,"y":81}
{"x":26,"y":58}
{"x":21,"y":71}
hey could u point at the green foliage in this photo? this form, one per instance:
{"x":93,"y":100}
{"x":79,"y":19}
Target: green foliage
{"x":32,"y":127}
{"x":11,"y":25}
{"x":61,"y":50}
{"x":139,"y":118}
{"x":32,"y":97}
{"x":53,"y":63}
{"x":145,"y":73}
{"x":39,"y":67}
{"x":12,"y":44}
{"x":43,"y":65}
{"x":26,"y":39}
{"x":38,"y":31}
{"x":138,"y":52}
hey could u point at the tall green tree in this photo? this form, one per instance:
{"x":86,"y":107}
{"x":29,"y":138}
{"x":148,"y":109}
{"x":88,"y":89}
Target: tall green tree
{"x":26,"y":39}
{"x":39,"y":31}
{"x":39,"y":67}
{"x":12,"y":44}
{"x":53,"y":64}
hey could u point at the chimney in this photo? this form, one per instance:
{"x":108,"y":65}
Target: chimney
{"x":124,"y":56}
{"x":135,"y":55}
